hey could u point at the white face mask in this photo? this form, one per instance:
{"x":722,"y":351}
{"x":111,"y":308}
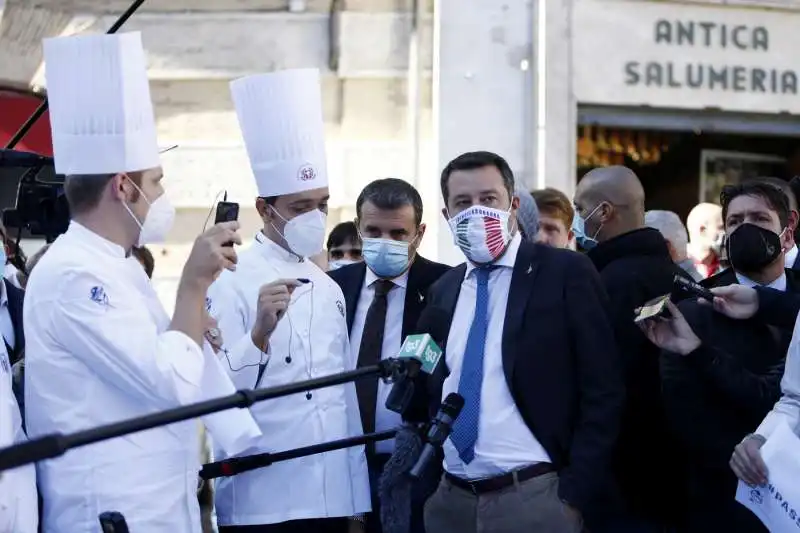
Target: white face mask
{"x":157,"y":222}
{"x":481,"y":232}
{"x":304,"y":234}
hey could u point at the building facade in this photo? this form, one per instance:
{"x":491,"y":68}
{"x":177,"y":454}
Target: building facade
{"x":687,"y":93}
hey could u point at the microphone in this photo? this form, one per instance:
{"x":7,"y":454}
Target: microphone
{"x":440,"y":429}
{"x":113,"y":522}
{"x":419,"y":352}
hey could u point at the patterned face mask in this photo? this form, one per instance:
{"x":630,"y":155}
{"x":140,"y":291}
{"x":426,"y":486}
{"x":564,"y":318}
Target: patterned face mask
{"x":481,"y":232}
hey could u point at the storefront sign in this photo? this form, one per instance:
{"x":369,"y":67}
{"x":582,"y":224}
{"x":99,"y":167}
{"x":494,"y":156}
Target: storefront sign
{"x":680,"y":56}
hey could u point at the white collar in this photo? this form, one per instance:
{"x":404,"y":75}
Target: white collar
{"x":779,"y":284}
{"x":94,"y":240}
{"x":791,"y":256}
{"x":273,"y":251}
{"x":506,"y":260}
{"x":400,"y":281}
{"x":3,"y":293}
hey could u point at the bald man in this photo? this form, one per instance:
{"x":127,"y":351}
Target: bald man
{"x":706,"y":231}
{"x":635,"y":265}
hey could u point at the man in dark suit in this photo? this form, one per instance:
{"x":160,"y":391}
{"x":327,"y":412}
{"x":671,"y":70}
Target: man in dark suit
{"x":721,"y":376}
{"x":384,"y":296}
{"x":792,"y":258}
{"x":528,"y":345}
{"x":635,"y":265}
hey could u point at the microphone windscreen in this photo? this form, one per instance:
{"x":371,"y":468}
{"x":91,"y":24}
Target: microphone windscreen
{"x":394,"y":487}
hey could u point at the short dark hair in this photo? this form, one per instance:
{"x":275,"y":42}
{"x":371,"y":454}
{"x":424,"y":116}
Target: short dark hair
{"x":785,"y":187}
{"x":146,"y":258}
{"x":83,"y":191}
{"x":342,"y":233}
{"x":391,"y":193}
{"x":475,"y":160}
{"x":775,"y":198}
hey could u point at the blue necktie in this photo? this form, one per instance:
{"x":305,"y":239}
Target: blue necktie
{"x":465,"y":428}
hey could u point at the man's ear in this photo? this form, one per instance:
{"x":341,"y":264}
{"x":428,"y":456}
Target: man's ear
{"x":120,"y":185}
{"x":421,"y":232}
{"x":515,"y":202}
{"x":793,"y":219}
{"x":264,"y":212}
{"x":445,"y":214}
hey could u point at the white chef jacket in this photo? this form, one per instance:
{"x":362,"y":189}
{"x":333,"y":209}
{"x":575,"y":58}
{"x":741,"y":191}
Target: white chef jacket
{"x":18,"y":499}
{"x":788,"y":407}
{"x":310,"y":341}
{"x":98,"y":352}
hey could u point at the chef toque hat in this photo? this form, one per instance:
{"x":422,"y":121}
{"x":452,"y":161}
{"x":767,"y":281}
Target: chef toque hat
{"x":280,"y":115}
{"x":101,"y":114}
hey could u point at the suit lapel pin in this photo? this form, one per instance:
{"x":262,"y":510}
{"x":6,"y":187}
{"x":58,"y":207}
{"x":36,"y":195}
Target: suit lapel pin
{"x":530,"y":269}
{"x":421,"y":297}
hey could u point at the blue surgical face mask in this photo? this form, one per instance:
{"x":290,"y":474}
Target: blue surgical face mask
{"x":584,"y":242}
{"x":387,"y":258}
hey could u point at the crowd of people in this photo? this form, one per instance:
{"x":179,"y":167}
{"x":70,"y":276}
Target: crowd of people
{"x":577,"y":415}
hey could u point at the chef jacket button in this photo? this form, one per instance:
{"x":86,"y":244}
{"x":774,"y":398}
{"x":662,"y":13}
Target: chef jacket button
{"x":308,"y":396}
{"x":288,"y":359}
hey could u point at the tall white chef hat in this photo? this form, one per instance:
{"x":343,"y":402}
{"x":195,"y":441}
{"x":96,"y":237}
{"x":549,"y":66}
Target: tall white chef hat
{"x":101,"y":114}
{"x":280,"y":115}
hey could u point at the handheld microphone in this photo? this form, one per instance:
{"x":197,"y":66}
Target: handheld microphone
{"x":420,"y":353}
{"x":440,"y":429}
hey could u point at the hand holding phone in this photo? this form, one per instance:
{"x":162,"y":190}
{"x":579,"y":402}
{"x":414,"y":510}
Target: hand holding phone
{"x":669,"y":331}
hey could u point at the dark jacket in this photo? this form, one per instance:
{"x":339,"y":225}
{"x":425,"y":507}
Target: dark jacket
{"x":421,"y":275}
{"x":715,"y":396}
{"x":16,"y":298}
{"x":636,"y":267}
{"x":560,"y":361}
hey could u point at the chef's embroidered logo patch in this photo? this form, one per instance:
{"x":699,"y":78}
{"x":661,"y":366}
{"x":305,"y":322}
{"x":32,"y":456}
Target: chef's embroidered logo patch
{"x":306,"y":173}
{"x":98,"y":296}
{"x":208,"y":304}
{"x":340,"y":305}
{"x":4,"y":364}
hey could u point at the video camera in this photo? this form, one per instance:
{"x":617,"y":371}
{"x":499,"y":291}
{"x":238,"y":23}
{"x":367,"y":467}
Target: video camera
{"x":41,"y":208}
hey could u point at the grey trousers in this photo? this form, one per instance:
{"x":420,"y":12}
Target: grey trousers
{"x":532,"y":506}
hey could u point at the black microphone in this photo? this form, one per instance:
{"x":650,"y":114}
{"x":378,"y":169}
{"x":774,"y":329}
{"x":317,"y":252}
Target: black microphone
{"x":113,"y":522}
{"x":418,"y":353}
{"x":440,"y":429}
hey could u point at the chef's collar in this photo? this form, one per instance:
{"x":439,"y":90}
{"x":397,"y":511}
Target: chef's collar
{"x":94,"y":240}
{"x":271,"y":250}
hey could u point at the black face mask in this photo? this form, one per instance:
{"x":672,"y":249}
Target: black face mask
{"x":751,"y":248}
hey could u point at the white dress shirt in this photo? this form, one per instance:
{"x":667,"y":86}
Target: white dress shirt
{"x":98,"y":352}
{"x":393,"y":330}
{"x":504,"y":440}
{"x":779,"y":284}
{"x":310,"y":341}
{"x":19,"y":504}
{"x":790,"y":257}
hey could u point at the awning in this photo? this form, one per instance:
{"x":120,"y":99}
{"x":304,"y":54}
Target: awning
{"x":15,"y":108}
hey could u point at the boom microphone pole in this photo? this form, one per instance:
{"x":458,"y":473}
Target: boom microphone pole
{"x":25,"y":128}
{"x":57,"y":444}
{"x":238,"y":465}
